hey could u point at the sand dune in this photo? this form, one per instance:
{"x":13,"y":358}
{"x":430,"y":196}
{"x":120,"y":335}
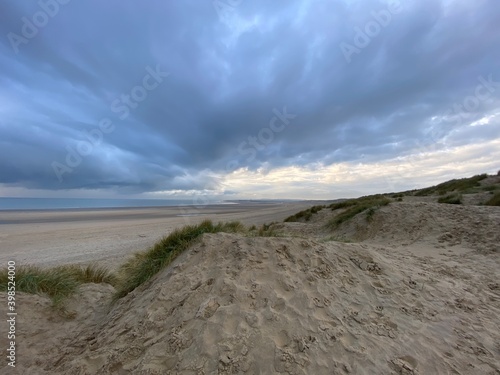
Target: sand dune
{"x":417,"y":293}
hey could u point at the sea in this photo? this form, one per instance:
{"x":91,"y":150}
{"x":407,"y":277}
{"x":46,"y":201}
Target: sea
{"x":91,"y":203}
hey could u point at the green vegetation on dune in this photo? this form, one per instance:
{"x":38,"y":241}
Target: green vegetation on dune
{"x":451,"y":199}
{"x":305,"y":214}
{"x":460,"y":185}
{"x":89,"y":274}
{"x":143,"y":266}
{"x":343,"y":204}
{"x":490,"y":188}
{"x":353,"y":207}
{"x":494,"y":200}
{"x":58,"y":282}
{"x":368,"y":199}
{"x":369,"y":214}
{"x":398,"y":195}
{"x":356,"y":206}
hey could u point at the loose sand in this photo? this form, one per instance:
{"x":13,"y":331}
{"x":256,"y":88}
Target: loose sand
{"x":416,"y":292}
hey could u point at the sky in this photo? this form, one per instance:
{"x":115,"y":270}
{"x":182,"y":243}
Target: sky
{"x":246,"y":99}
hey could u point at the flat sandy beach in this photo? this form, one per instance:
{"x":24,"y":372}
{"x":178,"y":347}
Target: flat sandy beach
{"x":106,"y":236}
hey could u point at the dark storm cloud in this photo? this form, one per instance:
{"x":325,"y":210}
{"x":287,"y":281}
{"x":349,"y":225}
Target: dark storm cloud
{"x":231,"y":70}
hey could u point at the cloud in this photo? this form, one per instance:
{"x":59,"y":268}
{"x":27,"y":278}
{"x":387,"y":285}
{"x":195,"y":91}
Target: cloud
{"x":407,"y":90}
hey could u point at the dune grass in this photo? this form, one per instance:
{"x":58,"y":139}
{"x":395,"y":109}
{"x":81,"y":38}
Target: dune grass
{"x":305,"y":214}
{"x":460,"y":185}
{"x":143,"y":266}
{"x":490,"y":187}
{"x":494,"y":200}
{"x":58,"y":282}
{"x":89,"y":274}
{"x":343,"y":204}
{"x":356,"y":206}
{"x":451,"y":199}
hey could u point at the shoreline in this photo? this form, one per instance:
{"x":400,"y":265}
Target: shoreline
{"x":64,"y":215}
{"x":146,"y":206}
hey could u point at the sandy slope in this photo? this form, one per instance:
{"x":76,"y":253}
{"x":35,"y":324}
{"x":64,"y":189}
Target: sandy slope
{"x":420,"y":294}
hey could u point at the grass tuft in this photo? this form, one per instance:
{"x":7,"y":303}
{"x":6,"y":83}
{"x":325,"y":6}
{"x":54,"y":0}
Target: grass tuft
{"x":143,"y":266}
{"x":494,"y":200}
{"x":89,"y":274}
{"x":451,"y":199}
{"x":58,"y":283}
